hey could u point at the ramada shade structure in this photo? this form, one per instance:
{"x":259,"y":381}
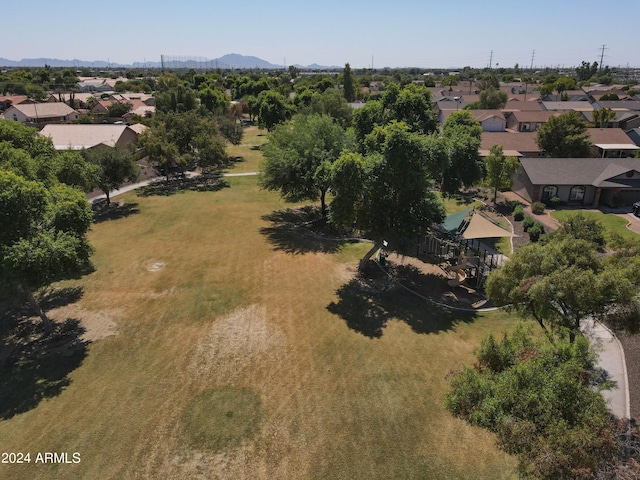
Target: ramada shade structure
{"x":473,"y":224}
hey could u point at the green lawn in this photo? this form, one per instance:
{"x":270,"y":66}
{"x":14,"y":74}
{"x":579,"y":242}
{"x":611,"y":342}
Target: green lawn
{"x":611,"y":223}
{"x":246,"y":350}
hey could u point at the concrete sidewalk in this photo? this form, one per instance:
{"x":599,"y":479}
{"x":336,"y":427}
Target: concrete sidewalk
{"x":611,"y":359}
{"x":133,"y":186}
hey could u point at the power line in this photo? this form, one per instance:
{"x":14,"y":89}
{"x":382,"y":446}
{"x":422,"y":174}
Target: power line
{"x":602,"y":57}
{"x":532,"y":57}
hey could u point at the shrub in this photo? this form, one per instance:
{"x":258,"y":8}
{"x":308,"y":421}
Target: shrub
{"x":518,"y":213}
{"x":553,"y":202}
{"x":528,"y":223}
{"x":538,"y":208}
{"x":535,"y":231}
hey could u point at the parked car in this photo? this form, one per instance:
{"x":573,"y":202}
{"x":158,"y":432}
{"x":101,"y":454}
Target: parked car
{"x":636,"y":209}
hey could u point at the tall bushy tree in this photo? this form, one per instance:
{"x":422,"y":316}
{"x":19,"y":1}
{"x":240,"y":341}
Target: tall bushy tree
{"x":562,"y":282}
{"x":273,"y":109}
{"x":411,"y":105}
{"x":565,"y":136}
{"x":114,"y":168}
{"x":396,"y":202}
{"x":296,"y":156}
{"x":499,"y":169}
{"x":461,"y":135}
{"x":44,"y":235}
{"x":348,"y":84}
{"x":492,"y":99}
{"x":537,"y":398}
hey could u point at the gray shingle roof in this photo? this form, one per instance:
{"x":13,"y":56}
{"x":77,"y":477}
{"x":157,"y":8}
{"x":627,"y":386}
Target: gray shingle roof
{"x":578,"y":171}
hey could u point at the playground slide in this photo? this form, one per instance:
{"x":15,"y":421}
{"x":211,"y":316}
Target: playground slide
{"x":461,"y":265}
{"x":460,"y":277}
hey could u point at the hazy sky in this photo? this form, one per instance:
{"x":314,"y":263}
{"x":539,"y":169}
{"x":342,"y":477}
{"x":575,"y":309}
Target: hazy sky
{"x":398,"y":33}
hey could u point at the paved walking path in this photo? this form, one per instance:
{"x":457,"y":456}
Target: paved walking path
{"x":611,"y":359}
{"x":133,"y":186}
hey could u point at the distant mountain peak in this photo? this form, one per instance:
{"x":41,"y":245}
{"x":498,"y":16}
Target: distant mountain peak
{"x":230,"y":60}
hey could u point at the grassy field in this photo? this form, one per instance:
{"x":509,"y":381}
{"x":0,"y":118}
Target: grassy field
{"x":243,"y":350}
{"x":610,"y":222}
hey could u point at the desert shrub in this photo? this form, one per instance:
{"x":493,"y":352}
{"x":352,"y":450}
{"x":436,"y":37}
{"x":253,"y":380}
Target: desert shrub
{"x":538,"y":208}
{"x":518,"y":213}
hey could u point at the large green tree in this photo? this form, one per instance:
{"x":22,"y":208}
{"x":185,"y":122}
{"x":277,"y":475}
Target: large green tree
{"x":396,"y":202}
{"x":296,"y":156}
{"x":273,"y":109}
{"x":114,"y":168}
{"x":348,"y":84}
{"x":565,"y":136}
{"x":499,"y":169}
{"x":562,"y":282}
{"x":44,"y":235}
{"x":492,"y":99}
{"x":461,"y":135}
{"x":538,"y":399}
{"x":411,"y":105}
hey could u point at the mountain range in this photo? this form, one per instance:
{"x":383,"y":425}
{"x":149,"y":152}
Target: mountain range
{"x":231,"y":60}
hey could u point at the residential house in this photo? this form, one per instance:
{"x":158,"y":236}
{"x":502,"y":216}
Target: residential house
{"x":146,"y":98}
{"x":514,"y":144}
{"x":583,"y":106}
{"x":7,"y":100}
{"x":144,"y":112}
{"x":611,"y":143}
{"x":527,"y":121}
{"x":87,"y":136}
{"x":579,"y":181}
{"x":634,"y":135}
{"x":102,"y":106}
{"x":490,"y":120}
{"x":41,"y":113}
{"x":531,"y":104}
{"x":620,"y":105}
{"x":623,"y":119}
{"x":570,"y":95}
{"x":95,"y":85}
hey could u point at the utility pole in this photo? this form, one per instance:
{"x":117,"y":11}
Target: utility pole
{"x":601,"y":58}
{"x":490,"y":59}
{"x":532,"y":57}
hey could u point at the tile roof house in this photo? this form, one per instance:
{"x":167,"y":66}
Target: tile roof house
{"x":612,"y":143}
{"x":7,"y":100}
{"x":491,"y":120}
{"x":514,"y":144}
{"x":102,"y":106}
{"x":86,"y":136}
{"x":146,"y":98}
{"x":532,"y":104}
{"x":567,"y":106}
{"x":616,"y":105}
{"x":40,"y":113}
{"x":95,"y":85}
{"x":579,"y":181}
{"x":528,"y":121}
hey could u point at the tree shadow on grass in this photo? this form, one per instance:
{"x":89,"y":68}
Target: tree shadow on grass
{"x":198,"y":183}
{"x":114,"y":211}
{"x":34,"y":366}
{"x":367,"y":302}
{"x":300,"y":230}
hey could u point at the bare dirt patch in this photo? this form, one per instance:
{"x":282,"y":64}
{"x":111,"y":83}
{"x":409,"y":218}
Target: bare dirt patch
{"x":235,"y":342}
{"x":97,"y":325}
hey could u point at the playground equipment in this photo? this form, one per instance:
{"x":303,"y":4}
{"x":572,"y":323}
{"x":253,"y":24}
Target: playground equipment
{"x":461,"y":276}
{"x":458,"y":270}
